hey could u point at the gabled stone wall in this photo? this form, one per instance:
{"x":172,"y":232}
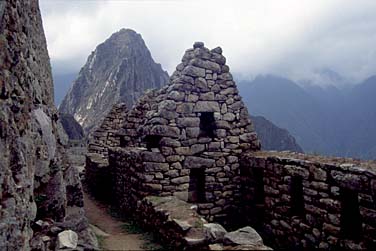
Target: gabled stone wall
{"x":337,"y":205}
{"x":106,"y":135}
{"x":130,"y":133}
{"x":197,"y":122}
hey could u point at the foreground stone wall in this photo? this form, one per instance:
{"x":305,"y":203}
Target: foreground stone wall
{"x":38,"y":189}
{"x":311,"y":201}
{"x":178,"y":225}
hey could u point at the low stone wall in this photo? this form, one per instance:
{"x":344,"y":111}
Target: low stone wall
{"x":98,"y":177}
{"x":180,"y":227}
{"x":139,"y":172}
{"x":309,"y":201}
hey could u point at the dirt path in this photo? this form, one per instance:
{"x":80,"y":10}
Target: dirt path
{"x":117,"y":238}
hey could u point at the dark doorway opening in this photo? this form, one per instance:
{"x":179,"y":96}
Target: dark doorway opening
{"x":123,"y":142}
{"x":258,"y":175}
{"x":297,"y":199}
{"x":196,"y":190}
{"x":351,"y":224}
{"x":207,"y":124}
{"x":152,"y":141}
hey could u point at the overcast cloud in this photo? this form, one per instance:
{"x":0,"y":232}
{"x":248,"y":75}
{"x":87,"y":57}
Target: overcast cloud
{"x":291,"y":37}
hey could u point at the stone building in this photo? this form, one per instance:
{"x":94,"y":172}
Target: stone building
{"x":193,"y":140}
{"x":190,"y":138}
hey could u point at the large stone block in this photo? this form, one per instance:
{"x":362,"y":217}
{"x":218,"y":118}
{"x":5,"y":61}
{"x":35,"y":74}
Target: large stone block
{"x":206,"y":106}
{"x":198,"y":162}
{"x":209,"y":65}
{"x":164,"y":130}
{"x":243,"y":236}
{"x":194,"y":71}
{"x":152,"y":156}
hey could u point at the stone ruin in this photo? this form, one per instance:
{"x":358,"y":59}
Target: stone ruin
{"x":193,"y":140}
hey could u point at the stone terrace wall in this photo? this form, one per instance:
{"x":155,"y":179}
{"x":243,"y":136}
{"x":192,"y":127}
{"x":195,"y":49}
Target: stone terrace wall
{"x":327,"y":214}
{"x":106,"y":135}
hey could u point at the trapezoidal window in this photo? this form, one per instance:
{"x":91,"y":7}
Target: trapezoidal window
{"x":351,"y":225}
{"x":123,"y":142}
{"x":258,"y":175}
{"x":152,"y":141}
{"x":196,"y":190}
{"x":207,"y":124}
{"x":297,"y":199}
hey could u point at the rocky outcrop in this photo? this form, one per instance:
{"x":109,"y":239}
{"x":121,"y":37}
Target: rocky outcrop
{"x":71,"y":127}
{"x":119,"y":70}
{"x":40,"y":194}
{"x":274,"y":138}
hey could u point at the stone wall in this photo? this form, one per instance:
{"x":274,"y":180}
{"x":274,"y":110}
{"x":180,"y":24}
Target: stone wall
{"x":98,"y":177}
{"x":311,"y":201}
{"x":106,"y":135}
{"x":38,"y":188}
{"x":179,"y":227}
{"x":188,"y":137}
{"x":130,"y":133}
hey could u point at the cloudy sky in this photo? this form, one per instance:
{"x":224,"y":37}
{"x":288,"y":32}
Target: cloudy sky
{"x":292,"y":38}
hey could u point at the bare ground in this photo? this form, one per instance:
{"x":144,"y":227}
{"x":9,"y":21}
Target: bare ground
{"x":117,"y":238}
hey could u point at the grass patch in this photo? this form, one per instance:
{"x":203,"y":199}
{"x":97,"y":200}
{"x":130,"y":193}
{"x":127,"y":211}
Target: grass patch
{"x":153,"y":243}
{"x":132,"y":227}
{"x":100,"y":241}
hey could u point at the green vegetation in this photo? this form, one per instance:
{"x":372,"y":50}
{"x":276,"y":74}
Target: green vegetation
{"x":152,"y":242}
{"x":100,"y":239}
{"x":132,"y":227}
{"x":40,"y":198}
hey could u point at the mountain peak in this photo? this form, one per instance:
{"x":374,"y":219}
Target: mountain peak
{"x":119,"y":70}
{"x":125,"y":34}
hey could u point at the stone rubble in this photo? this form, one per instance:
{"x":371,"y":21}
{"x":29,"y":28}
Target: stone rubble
{"x":67,"y":239}
{"x":182,"y":228}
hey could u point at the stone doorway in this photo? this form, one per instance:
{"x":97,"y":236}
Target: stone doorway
{"x":196,"y":190}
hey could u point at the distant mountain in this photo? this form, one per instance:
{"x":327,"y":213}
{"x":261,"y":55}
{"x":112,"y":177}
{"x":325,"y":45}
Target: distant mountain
{"x":62,"y":82}
{"x":288,"y":106}
{"x":323,"y":119}
{"x":361,"y":113}
{"x":119,"y":70}
{"x":274,"y":138}
{"x":71,"y":127}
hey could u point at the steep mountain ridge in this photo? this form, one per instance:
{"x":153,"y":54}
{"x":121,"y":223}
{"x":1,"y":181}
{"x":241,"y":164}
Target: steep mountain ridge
{"x":119,"y":70}
{"x":274,"y":138}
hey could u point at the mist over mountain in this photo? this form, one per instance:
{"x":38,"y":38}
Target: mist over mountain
{"x":323,"y":119}
{"x":119,"y":70}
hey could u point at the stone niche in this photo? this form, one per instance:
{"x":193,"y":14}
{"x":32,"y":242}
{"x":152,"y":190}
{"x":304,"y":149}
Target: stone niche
{"x":186,"y":139}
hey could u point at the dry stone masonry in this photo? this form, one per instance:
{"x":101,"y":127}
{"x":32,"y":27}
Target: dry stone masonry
{"x":106,"y":135}
{"x":309,"y":201}
{"x":192,"y":143}
{"x":190,"y":140}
